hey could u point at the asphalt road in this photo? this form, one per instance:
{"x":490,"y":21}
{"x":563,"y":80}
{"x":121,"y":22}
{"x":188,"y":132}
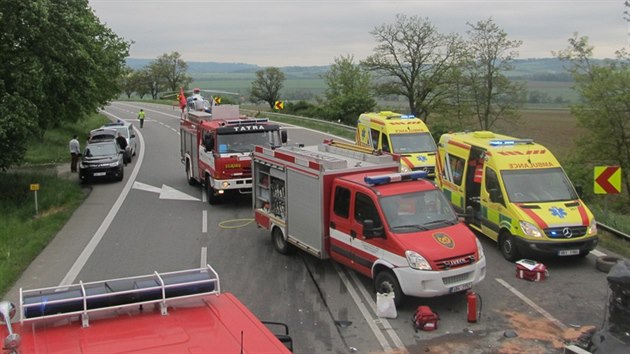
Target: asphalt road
{"x":155,"y":221}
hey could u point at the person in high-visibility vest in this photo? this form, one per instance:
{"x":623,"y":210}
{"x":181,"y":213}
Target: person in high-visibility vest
{"x":141,"y":117}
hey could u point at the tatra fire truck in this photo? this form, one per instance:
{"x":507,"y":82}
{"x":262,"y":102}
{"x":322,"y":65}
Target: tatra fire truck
{"x":174,"y":312}
{"x":357,"y":209}
{"x":216,"y":148}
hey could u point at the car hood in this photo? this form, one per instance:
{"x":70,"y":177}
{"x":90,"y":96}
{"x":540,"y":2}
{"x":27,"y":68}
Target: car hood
{"x":97,"y":160}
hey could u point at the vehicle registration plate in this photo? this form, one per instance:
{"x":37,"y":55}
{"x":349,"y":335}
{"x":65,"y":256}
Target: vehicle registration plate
{"x":568,"y":252}
{"x":459,"y":288}
{"x":96,"y":174}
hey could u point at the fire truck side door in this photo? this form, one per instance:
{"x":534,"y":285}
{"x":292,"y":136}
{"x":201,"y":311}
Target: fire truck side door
{"x":340,"y":226}
{"x":366,"y":220}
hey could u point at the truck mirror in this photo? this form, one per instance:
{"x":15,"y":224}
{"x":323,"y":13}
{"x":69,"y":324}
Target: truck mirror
{"x":283,"y":136}
{"x":371,"y":231}
{"x":495,"y":196}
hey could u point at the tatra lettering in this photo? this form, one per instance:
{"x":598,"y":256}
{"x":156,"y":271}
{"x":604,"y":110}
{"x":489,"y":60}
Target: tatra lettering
{"x":244,"y":128}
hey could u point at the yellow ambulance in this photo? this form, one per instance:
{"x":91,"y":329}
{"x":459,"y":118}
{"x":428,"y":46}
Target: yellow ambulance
{"x":515,"y":192}
{"x":400,"y":134}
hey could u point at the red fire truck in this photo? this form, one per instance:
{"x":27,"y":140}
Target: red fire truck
{"x":175,"y":312}
{"x":353,"y":206}
{"x":216,"y":148}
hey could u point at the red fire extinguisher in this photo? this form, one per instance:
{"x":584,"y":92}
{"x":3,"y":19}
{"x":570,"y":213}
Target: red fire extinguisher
{"x":473,"y":310}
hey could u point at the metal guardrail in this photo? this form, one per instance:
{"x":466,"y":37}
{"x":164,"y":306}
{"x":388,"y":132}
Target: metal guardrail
{"x":614,"y":231}
{"x":272,"y":114}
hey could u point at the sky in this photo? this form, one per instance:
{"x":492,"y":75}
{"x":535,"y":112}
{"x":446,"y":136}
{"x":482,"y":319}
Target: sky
{"x":315,"y":32}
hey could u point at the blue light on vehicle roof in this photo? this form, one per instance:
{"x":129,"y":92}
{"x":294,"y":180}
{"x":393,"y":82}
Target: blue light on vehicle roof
{"x":502,"y":142}
{"x":395,"y":177}
{"x":407,"y":116}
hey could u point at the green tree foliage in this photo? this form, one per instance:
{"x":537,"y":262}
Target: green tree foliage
{"x":267,"y":85}
{"x":172,"y":71}
{"x":413,"y":60}
{"x":348,"y":93}
{"x":604,"y":106}
{"x":59,"y":61}
{"x":488,"y":56}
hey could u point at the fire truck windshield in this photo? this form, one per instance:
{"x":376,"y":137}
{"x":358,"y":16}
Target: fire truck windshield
{"x":245,"y":142}
{"x":412,"y":212}
{"x":538,"y":185}
{"x":410,"y":143}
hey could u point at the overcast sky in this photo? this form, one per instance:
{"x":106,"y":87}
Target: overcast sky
{"x":315,"y":32}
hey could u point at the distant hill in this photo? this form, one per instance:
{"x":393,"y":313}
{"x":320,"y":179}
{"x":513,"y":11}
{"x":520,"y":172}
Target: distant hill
{"x":523,"y":68}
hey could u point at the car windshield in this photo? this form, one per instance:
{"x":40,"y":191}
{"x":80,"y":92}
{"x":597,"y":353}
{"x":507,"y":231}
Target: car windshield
{"x":538,"y":185}
{"x":410,"y":143}
{"x":122,"y":130}
{"x":98,"y":150}
{"x":245,"y":142}
{"x":424,"y":210}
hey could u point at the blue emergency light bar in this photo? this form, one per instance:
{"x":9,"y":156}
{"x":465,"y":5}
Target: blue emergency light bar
{"x":510,"y":142}
{"x":395,"y":177}
{"x":407,"y":116}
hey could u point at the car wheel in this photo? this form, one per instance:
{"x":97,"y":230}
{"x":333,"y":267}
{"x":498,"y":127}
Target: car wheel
{"x":386,"y":282}
{"x":508,"y":247}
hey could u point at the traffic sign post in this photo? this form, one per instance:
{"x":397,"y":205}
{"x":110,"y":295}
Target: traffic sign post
{"x":278,"y":105}
{"x":607,"y":181}
{"x":35,"y":188}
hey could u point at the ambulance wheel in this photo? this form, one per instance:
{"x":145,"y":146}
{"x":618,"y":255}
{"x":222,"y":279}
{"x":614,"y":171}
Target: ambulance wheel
{"x":386,"y":282}
{"x":280,"y":244}
{"x":508,"y":247}
{"x":189,"y":175}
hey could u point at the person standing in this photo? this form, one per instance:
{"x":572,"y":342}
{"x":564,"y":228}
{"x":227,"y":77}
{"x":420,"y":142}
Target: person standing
{"x":141,"y":117}
{"x":75,"y":152}
{"x":122,"y":144}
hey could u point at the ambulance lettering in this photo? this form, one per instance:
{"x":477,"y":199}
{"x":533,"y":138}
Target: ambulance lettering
{"x":515,"y":166}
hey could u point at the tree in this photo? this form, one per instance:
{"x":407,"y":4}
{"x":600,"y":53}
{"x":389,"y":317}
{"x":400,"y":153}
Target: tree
{"x":267,"y":85}
{"x":604,"y":105}
{"x":348,"y":91}
{"x":59,"y":61}
{"x":171,"y":70}
{"x":489,"y":55}
{"x":413,"y":60}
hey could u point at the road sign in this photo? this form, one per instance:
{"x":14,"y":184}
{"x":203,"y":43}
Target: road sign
{"x":279,"y":105}
{"x":607,"y":179}
{"x":34,"y":186}
{"x":217,"y":100}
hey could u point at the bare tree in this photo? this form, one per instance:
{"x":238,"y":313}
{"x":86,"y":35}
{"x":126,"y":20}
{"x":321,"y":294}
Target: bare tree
{"x":489,"y":55}
{"x":413,"y":60}
{"x":267,"y":85}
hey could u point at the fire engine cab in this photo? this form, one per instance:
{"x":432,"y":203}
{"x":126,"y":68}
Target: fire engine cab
{"x":175,"y":312}
{"x":515,"y":192}
{"x":357,"y":209}
{"x":216,"y":148}
{"x":400,"y":134}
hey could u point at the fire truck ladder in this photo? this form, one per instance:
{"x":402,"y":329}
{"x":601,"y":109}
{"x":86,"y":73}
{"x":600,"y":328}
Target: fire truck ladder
{"x":84,"y":298}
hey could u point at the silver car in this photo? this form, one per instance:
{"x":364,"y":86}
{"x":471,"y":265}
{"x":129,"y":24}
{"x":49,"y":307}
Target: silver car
{"x":128,"y":132}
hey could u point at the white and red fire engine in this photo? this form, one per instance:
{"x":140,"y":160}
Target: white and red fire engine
{"x":174,"y":312}
{"x":216,"y":148}
{"x":353,"y":206}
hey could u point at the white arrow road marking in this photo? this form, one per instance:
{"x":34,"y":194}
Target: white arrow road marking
{"x":165,"y":192}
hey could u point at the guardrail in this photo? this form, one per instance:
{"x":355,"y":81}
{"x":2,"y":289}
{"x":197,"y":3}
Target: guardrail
{"x":614,"y":231}
{"x":272,"y":114}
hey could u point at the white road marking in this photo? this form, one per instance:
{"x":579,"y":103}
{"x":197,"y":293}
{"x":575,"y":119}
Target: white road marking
{"x":166,"y":192}
{"x":597,"y":253}
{"x":532,"y":304}
{"x":204,"y":256}
{"x":204,"y":221}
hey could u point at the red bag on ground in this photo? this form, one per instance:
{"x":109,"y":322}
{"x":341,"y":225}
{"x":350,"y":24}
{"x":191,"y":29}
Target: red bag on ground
{"x":531,"y":270}
{"x":425,"y":319}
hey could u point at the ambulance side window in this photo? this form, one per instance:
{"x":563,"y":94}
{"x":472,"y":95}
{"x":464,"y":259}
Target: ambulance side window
{"x":457,"y":167}
{"x":342,"y":202}
{"x":493,"y":187}
{"x":385,"y":144}
{"x":364,"y":209}
{"x":375,"y":133}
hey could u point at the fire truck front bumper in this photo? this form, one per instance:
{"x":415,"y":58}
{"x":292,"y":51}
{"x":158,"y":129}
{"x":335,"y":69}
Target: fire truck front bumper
{"x":244,"y":185}
{"x":422,"y":283}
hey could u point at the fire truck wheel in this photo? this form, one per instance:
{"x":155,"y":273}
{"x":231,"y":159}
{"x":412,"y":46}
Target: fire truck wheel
{"x":386,"y":282}
{"x":212,"y":197}
{"x":281,"y":245}
{"x":605,"y":263}
{"x":508,"y":247}
{"x":189,"y":176}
